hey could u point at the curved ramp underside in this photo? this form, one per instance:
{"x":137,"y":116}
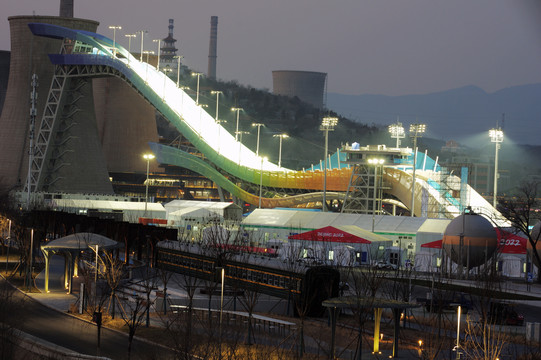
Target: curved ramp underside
{"x":218,"y":146}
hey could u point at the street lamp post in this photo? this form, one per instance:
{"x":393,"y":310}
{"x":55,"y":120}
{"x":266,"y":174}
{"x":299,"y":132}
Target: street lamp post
{"x":147,"y":52}
{"x":159,"y":41}
{"x":281,"y":136}
{"x":397,"y":132}
{"x":129,"y":36}
{"x":259,"y":125}
{"x":238,"y":110}
{"x":496,"y":136}
{"x":166,"y":70}
{"x":178,"y":57}
{"x":147,"y":157}
{"x":416,"y":131}
{"x":217,"y":93}
{"x":115,"y":28}
{"x":239,"y":134}
{"x":261,"y":180}
{"x":457,"y":348}
{"x":327,"y":125}
{"x":198,"y":74}
{"x":30,"y":260}
{"x":142,"y":32}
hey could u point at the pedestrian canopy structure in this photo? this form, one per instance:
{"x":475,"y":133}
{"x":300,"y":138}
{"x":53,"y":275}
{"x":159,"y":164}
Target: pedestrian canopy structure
{"x":71,"y":247}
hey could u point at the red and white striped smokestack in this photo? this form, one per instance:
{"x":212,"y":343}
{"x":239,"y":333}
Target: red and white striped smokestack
{"x":66,"y":8}
{"x":211,"y":73}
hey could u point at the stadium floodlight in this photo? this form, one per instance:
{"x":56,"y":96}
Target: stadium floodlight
{"x":416,"y":131}
{"x":496,"y":136}
{"x":327,"y":124}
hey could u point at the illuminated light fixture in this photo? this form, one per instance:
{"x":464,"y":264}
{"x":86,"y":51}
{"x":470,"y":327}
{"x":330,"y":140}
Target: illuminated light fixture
{"x":130,"y":36}
{"x":397,"y":132}
{"x":238,"y":110}
{"x":147,"y":157}
{"x":281,"y":136}
{"x":142,"y":32}
{"x":416,"y":131}
{"x":159,"y":41}
{"x":263,"y":159}
{"x":179,"y":58}
{"x":114,"y":28}
{"x":217,"y":93}
{"x":259,"y":125}
{"x":327,"y":124}
{"x":496,"y":136}
{"x":198,"y":74}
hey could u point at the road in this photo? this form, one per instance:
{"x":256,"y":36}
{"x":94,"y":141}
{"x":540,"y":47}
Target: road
{"x":77,"y":335}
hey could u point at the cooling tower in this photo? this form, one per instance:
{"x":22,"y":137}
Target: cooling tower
{"x":126,"y":123}
{"x":211,"y":73}
{"x":4,"y":76}
{"x":308,"y":86}
{"x":87,"y":170}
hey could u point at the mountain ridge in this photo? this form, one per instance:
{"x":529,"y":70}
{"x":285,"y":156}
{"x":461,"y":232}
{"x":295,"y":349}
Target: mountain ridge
{"x":454,"y":114}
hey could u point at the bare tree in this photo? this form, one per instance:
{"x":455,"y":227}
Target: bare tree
{"x":133,"y":312}
{"x":520,"y":210}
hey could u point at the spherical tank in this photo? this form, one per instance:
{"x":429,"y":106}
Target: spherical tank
{"x":470,"y":240}
{"x":536,"y":237}
{"x":309,"y":86}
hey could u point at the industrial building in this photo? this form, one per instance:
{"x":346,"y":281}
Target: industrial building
{"x":308,"y":86}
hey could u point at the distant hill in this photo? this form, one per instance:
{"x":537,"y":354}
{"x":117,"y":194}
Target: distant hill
{"x":464,"y":114}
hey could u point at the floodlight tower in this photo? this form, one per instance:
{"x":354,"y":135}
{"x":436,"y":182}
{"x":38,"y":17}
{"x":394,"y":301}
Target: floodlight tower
{"x":397,"y":132}
{"x":327,"y":124}
{"x":416,"y":131}
{"x":496,"y":136}
{"x":259,"y":125}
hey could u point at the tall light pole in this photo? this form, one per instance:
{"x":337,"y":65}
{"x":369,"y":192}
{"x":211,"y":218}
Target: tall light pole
{"x":281,"y":136}
{"x":397,"y":132}
{"x":457,"y":348}
{"x":240,"y":141}
{"x":416,"y":131}
{"x":198,"y":74}
{"x":142,"y":32}
{"x":115,"y":28}
{"x":263,"y":159}
{"x":147,"y":157}
{"x":327,"y":125}
{"x":238,"y":110}
{"x":496,"y":136}
{"x":259,"y":125}
{"x":129,"y":36}
{"x":178,"y":57}
{"x":147,"y":52}
{"x":217,"y":93}
{"x":159,"y":41}
{"x":166,"y":70}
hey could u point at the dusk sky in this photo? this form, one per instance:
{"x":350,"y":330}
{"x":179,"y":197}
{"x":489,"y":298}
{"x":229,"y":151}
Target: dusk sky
{"x":390,"y":47}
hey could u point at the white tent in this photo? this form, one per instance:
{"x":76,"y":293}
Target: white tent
{"x":424,"y":261}
{"x":511,"y":266}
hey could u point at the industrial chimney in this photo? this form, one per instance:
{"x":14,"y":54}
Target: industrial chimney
{"x":66,"y":8}
{"x":211,"y":73}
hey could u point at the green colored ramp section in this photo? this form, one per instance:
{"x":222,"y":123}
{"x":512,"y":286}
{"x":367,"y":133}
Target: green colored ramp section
{"x":173,"y":156}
